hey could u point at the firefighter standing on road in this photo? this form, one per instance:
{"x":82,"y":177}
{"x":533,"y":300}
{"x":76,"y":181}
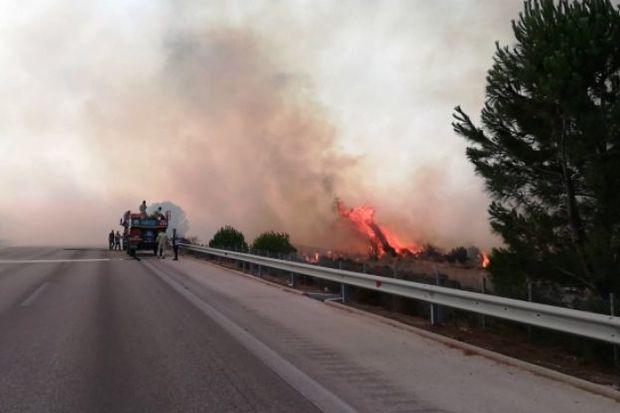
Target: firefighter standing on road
{"x":162,"y":240}
{"x":117,"y":241}
{"x":175,"y":244}
{"x":111,"y":240}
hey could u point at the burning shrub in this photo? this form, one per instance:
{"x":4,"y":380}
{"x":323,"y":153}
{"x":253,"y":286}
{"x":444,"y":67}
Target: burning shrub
{"x":382,"y":241}
{"x":228,"y":238}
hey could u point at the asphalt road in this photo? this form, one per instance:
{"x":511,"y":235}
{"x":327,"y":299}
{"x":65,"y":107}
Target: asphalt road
{"x":111,"y":336}
{"x":89,"y":330}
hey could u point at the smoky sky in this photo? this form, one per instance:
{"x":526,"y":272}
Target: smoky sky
{"x":252,"y":114}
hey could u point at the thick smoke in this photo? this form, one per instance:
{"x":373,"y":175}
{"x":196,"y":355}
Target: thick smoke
{"x":178,"y":218}
{"x":231,"y":134}
{"x":223,"y":108}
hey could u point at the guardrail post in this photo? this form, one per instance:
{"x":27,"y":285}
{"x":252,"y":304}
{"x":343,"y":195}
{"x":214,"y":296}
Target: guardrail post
{"x":483,"y":318}
{"x":529,"y":298}
{"x":435,"y":309}
{"x":292,"y":281}
{"x":612,"y":311}
{"x":344,"y":289}
{"x":344,"y":293}
{"x":250,"y":264}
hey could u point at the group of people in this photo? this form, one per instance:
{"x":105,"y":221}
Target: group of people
{"x":114,"y":241}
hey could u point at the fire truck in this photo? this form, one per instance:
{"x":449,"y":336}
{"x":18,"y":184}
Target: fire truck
{"x":140,"y":231}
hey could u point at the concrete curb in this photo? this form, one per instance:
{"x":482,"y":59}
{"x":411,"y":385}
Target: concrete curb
{"x":598,"y":389}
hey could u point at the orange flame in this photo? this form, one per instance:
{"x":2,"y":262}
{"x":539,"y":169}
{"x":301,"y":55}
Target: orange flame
{"x":484,"y":260}
{"x":382,"y":241}
{"x":312,"y":258}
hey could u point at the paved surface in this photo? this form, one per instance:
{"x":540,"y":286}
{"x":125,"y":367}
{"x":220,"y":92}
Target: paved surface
{"x":86,"y":330}
{"x":111,"y":336}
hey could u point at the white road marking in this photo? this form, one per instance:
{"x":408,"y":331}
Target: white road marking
{"x":312,"y":390}
{"x":35,"y":294}
{"x":57,"y":260}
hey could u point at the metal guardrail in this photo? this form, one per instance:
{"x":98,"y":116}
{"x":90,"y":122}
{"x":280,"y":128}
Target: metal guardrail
{"x":592,"y":325}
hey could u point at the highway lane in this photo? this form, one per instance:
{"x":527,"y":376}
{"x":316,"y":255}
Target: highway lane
{"x":163,"y":336}
{"x":110,"y":336}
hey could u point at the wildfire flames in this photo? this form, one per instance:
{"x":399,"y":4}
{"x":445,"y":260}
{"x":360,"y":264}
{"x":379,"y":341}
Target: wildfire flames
{"x":484,"y":260}
{"x":312,"y":258}
{"x":382,"y":241}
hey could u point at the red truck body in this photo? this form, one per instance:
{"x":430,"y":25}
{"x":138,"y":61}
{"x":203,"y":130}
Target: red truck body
{"x":140,"y":231}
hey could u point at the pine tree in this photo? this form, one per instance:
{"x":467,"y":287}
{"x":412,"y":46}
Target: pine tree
{"x":548,"y":148}
{"x":229,"y":238}
{"x":273,"y":243}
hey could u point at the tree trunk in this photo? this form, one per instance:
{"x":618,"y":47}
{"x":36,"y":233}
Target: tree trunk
{"x":575,"y":222}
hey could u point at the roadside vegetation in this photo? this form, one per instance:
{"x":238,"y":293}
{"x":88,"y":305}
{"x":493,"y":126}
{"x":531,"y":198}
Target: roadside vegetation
{"x":548,"y":148}
{"x":228,"y":238}
{"x":274,"y":243}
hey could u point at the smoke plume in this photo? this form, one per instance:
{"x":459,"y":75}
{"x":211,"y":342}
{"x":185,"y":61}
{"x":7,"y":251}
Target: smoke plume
{"x":251,"y":115}
{"x":231,"y":133}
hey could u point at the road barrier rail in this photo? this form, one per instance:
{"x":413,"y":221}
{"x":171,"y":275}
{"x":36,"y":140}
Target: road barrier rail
{"x":582,"y":323}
